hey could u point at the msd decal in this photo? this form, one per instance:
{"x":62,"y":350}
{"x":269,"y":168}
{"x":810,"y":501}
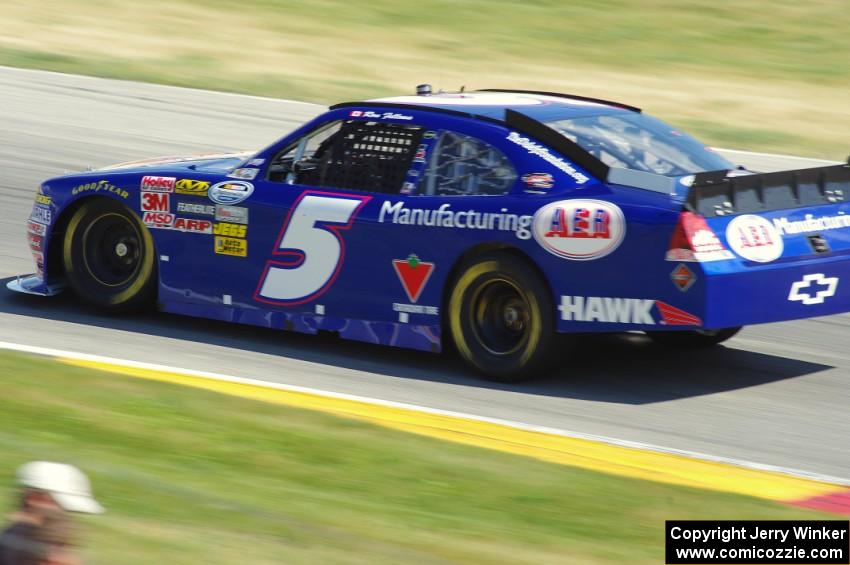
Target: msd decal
{"x":579,"y":229}
{"x":413,"y":275}
{"x":158,"y":184}
{"x":161,"y":220}
{"x":623,"y":311}
{"x":754,"y":238}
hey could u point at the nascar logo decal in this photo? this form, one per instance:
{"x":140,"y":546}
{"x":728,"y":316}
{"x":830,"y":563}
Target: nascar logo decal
{"x":579,"y":229}
{"x":192,"y":187}
{"x":754,"y":238}
{"x":230,"y":192}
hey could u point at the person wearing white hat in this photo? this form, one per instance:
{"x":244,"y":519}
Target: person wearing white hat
{"x":38,"y":530}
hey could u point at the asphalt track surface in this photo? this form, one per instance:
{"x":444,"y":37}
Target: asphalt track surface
{"x":775,"y":395}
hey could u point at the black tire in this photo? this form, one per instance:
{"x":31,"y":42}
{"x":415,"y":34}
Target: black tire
{"x":693,"y":339}
{"x":501,"y":318}
{"x":109,"y":257}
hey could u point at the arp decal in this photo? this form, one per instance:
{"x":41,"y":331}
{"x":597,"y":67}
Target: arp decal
{"x":155,"y":201}
{"x":579,"y":229}
{"x":311,"y":241}
{"x":230,"y":192}
{"x":192,"y":225}
{"x":612,"y":310}
{"x":192,"y":187}
{"x":813,"y":289}
{"x":754,"y":238}
{"x":413,"y":275}
{"x":157,"y":184}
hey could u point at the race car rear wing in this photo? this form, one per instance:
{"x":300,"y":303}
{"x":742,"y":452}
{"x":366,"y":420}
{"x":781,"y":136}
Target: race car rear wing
{"x":715,"y":194}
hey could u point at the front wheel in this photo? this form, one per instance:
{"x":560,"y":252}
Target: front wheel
{"x":108,"y":256}
{"x":501,"y":318}
{"x":693,"y":339}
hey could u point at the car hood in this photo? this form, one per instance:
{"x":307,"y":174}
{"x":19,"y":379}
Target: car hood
{"x":209,"y":162}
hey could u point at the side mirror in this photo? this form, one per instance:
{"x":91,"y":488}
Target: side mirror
{"x":305,"y":166}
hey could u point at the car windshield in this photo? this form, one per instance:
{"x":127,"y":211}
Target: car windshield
{"x":640,"y":142}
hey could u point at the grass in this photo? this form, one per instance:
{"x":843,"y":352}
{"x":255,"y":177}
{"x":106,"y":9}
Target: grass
{"x":754,"y":74}
{"x":192,"y":477}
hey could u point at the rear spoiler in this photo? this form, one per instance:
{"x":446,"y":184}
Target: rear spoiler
{"x":714,"y":194}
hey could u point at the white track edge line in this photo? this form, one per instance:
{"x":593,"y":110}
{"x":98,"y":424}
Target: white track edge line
{"x":50,"y":352}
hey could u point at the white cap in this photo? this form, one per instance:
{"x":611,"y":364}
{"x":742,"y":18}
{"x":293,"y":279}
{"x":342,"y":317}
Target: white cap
{"x":68,"y":486}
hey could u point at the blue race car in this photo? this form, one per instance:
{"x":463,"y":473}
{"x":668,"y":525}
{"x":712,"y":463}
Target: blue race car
{"x":494,"y":222}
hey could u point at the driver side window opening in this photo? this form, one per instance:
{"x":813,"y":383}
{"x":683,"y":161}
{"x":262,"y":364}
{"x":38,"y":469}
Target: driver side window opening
{"x":461,"y":165}
{"x":351,"y":154}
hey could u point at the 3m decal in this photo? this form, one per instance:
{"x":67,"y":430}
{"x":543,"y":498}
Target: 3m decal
{"x":230,"y":192}
{"x":811,"y":224}
{"x":230,"y":230}
{"x":41,"y":214}
{"x":754,"y":238}
{"x":683,"y":278}
{"x":200,"y":209}
{"x":192,"y":187}
{"x":232,"y":214}
{"x":231,"y":246}
{"x":310,"y":239}
{"x":579,"y":229}
{"x":36,"y":228}
{"x":155,"y":201}
{"x":623,"y":311}
{"x":813,"y":289}
{"x":100,"y":186}
{"x":162,"y":220}
{"x":446,"y":217}
{"x":413,"y":275}
{"x":157,"y":184}
{"x":537,"y":149}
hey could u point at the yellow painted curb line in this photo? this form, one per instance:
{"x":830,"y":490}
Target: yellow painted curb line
{"x":575,"y":452}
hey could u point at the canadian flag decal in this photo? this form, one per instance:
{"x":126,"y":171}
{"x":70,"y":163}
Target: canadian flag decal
{"x":671,"y":316}
{"x":413,"y":274}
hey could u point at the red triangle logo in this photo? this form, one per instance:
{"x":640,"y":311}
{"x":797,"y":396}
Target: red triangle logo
{"x":413,"y":274}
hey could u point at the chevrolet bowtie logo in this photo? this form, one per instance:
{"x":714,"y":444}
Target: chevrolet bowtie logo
{"x":802,"y":291}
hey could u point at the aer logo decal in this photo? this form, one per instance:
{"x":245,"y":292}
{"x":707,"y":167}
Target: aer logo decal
{"x":579,"y":229}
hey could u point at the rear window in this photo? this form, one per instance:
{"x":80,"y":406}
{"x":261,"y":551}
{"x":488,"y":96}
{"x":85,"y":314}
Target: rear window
{"x":640,"y":142}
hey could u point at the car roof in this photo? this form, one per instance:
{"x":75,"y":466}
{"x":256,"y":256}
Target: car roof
{"x":542,"y":106}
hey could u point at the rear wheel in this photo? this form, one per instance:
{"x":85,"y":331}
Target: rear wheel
{"x":694,"y":339}
{"x":501,"y":318}
{"x":108,"y":256}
